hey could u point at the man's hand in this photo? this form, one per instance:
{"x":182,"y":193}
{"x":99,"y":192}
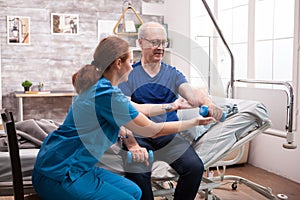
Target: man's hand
{"x":215,"y":111}
{"x":139,"y":154}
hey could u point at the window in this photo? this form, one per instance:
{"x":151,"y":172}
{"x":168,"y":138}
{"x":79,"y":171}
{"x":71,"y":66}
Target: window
{"x":260,"y":34}
{"x":274,"y":26}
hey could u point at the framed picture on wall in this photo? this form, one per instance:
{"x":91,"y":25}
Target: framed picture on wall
{"x":64,"y":24}
{"x":18,"y":30}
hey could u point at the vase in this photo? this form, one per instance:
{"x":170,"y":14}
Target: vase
{"x":26,"y":89}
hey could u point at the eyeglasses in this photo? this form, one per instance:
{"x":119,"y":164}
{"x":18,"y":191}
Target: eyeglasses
{"x":156,"y":43}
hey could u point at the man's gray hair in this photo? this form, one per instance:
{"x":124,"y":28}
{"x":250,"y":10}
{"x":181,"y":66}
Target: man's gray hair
{"x":143,"y":30}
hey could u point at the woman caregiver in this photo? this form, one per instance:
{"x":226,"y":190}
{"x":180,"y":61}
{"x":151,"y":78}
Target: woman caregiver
{"x":65,"y":165}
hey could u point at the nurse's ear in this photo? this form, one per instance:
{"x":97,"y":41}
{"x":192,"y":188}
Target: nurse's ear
{"x":118,"y":63}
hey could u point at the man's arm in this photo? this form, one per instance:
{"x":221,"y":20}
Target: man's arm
{"x":196,"y":97}
{"x":158,"y":109}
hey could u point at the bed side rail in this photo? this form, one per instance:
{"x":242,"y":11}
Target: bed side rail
{"x":289,"y":135}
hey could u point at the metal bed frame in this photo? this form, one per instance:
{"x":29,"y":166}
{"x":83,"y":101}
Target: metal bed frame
{"x":211,"y":182}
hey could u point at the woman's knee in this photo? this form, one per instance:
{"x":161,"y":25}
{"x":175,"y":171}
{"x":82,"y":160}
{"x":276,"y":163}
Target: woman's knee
{"x":138,"y":193}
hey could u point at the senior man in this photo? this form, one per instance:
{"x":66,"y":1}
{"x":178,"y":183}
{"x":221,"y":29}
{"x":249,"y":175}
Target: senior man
{"x":153,"y":81}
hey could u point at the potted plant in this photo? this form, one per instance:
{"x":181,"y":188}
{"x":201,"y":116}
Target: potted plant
{"x":26,"y":84}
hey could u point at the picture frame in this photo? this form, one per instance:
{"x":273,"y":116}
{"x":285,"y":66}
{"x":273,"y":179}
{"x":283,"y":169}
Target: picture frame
{"x":18,"y":30}
{"x":64,"y":24}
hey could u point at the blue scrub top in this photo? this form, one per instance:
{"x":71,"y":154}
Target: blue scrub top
{"x":90,"y":128}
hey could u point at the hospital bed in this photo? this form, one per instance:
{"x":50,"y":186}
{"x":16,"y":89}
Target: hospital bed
{"x":212,"y":144}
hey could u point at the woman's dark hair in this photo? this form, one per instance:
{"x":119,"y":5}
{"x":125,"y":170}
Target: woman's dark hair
{"x":107,"y":51}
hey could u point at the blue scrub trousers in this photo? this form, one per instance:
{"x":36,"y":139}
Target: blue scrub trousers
{"x":95,"y":184}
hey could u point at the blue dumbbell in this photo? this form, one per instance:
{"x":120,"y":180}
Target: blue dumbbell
{"x":203,"y":111}
{"x":150,"y":154}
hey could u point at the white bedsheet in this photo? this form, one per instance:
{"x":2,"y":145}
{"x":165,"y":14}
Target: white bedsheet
{"x":27,"y":156}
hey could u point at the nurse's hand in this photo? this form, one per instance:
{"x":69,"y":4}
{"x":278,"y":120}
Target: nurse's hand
{"x":205,"y":120}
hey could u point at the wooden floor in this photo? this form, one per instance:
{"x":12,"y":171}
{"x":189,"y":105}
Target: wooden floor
{"x":278,"y":184}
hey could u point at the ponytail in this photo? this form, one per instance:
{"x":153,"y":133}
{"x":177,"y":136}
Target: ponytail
{"x":85,"y":77}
